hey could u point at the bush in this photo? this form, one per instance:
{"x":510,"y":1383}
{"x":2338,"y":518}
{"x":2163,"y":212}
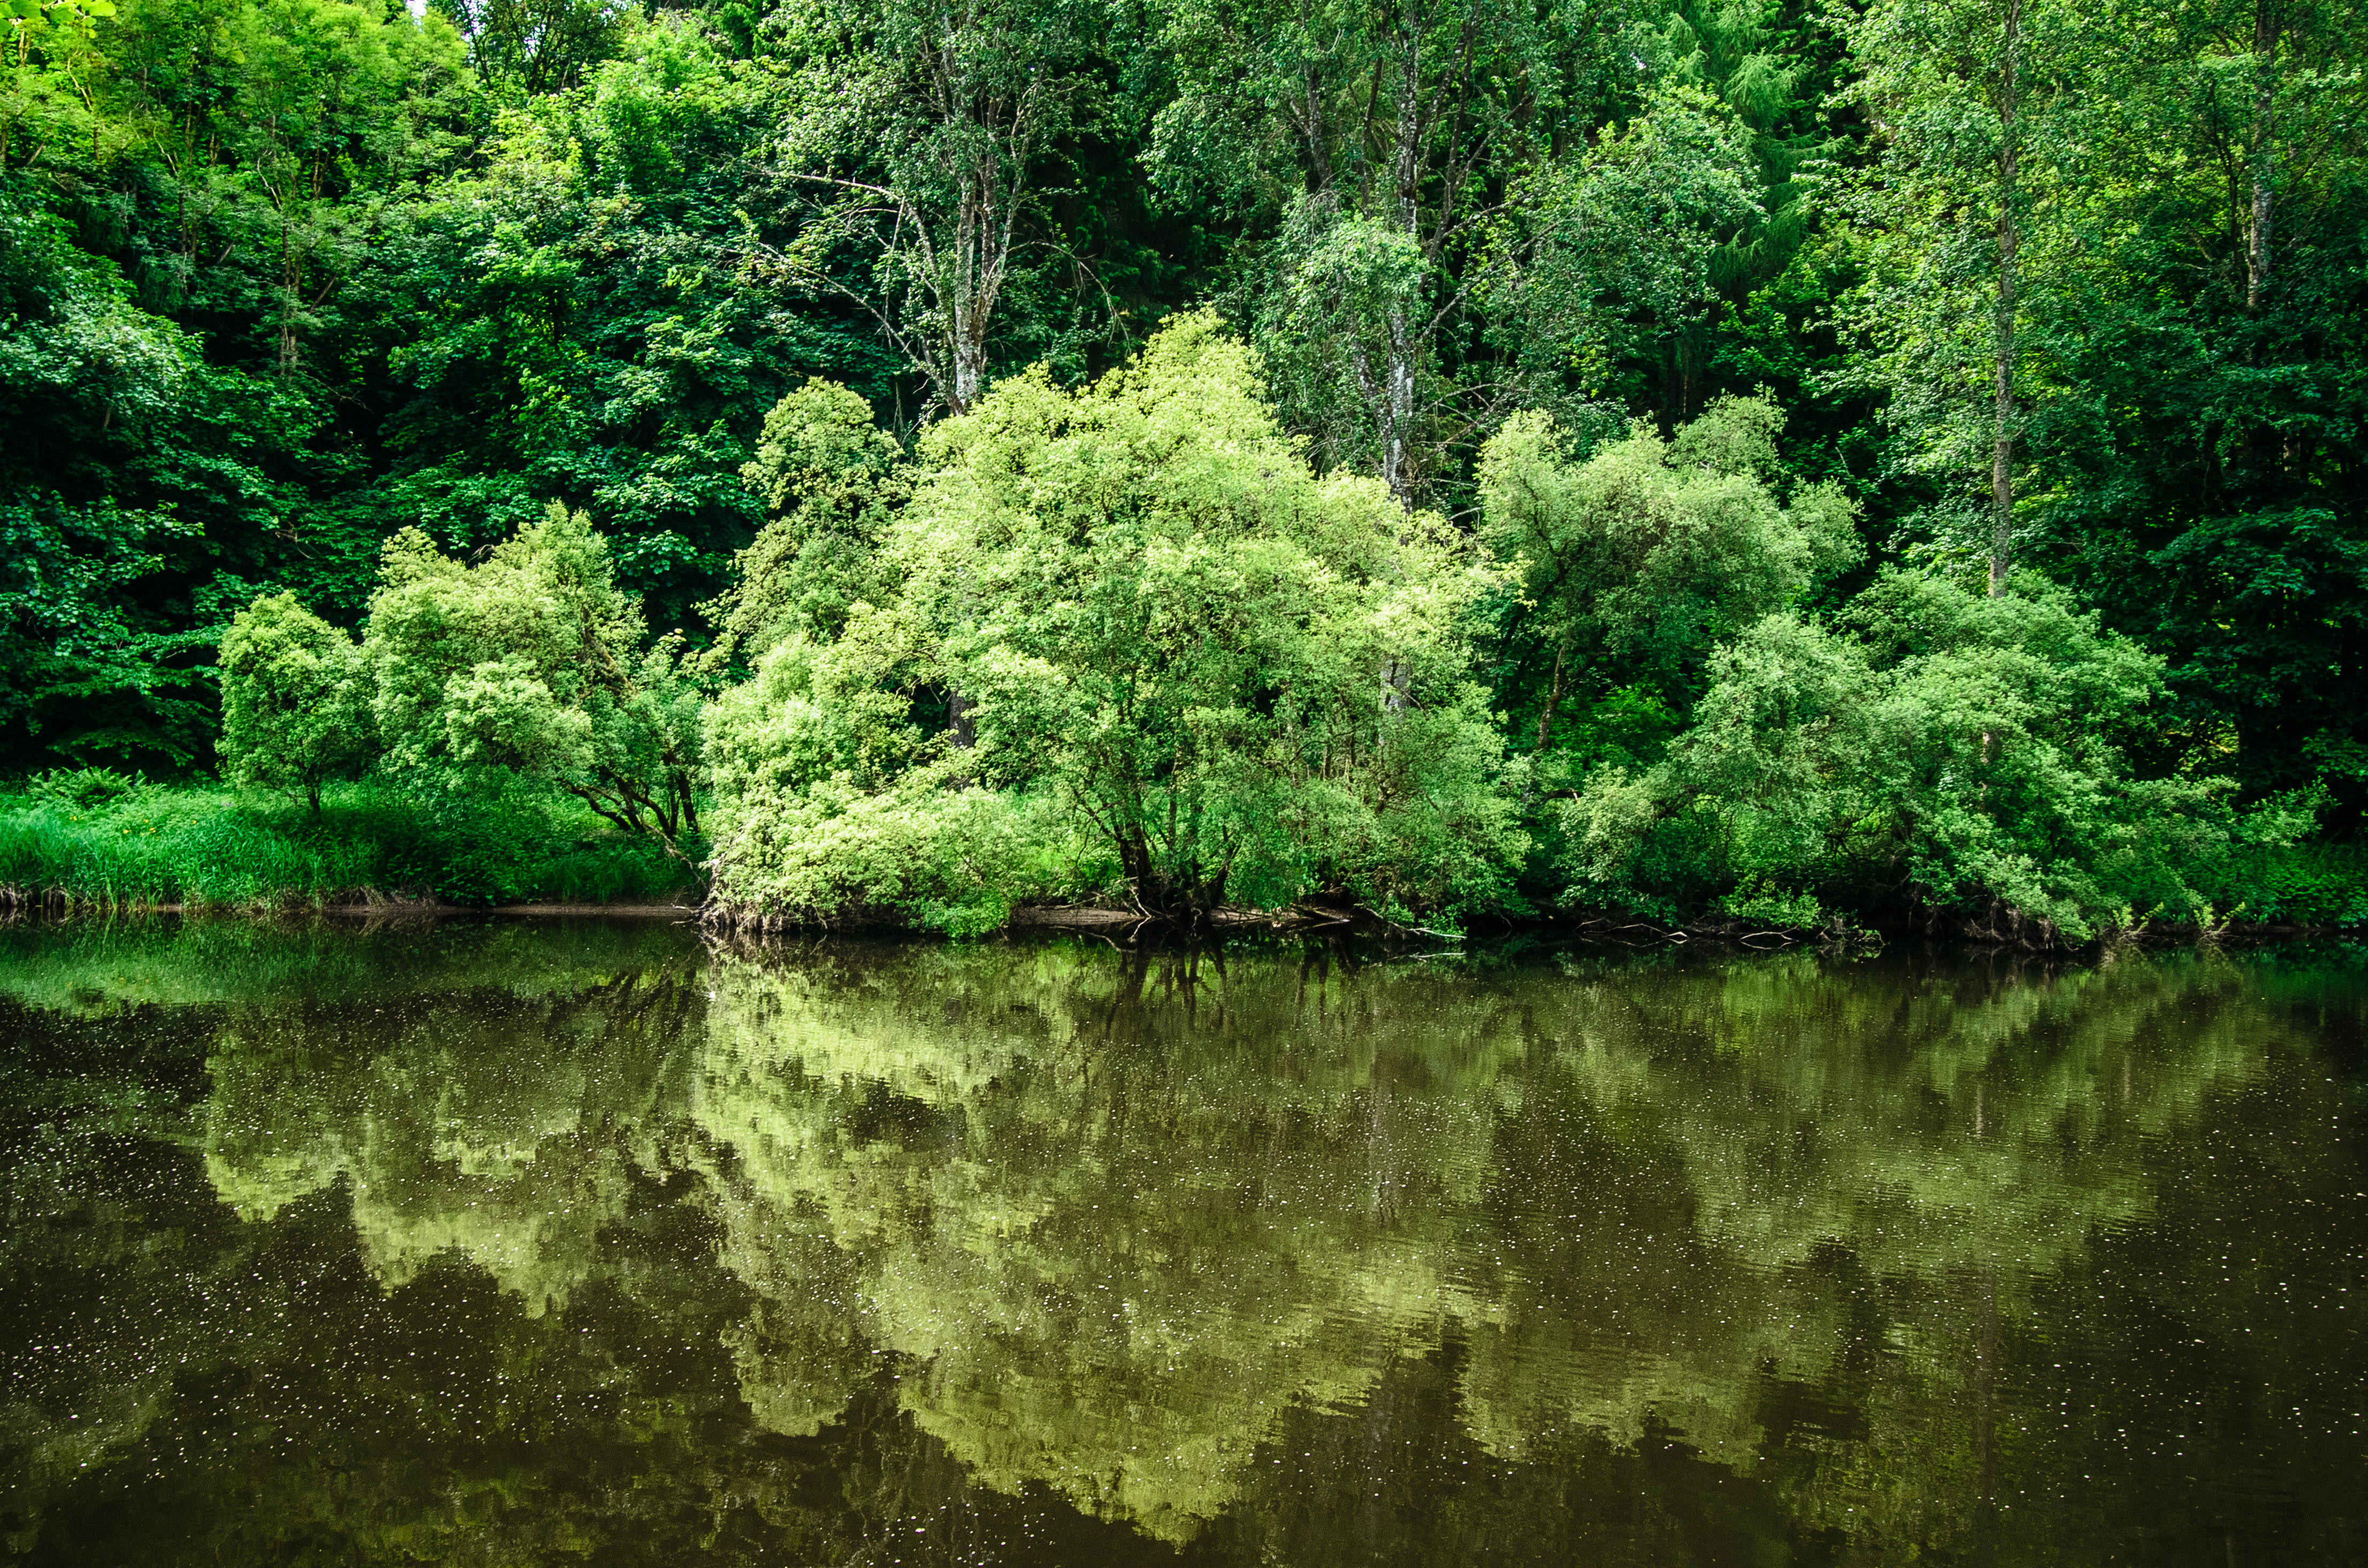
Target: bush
{"x":2298,"y":884}
{"x":294,"y":709}
{"x":1939,"y":746}
{"x":533,"y":664}
{"x":955,"y":862}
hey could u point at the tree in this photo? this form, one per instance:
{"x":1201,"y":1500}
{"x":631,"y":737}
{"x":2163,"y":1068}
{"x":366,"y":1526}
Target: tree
{"x":579,"y":321}
{"x":1224,"y":663}
{"x":272,"y":125}
{"x":1240,"y":678}
{"x":295,"y":711}
{"x":1964,"y":192}
{"x":88,"y":674}
{"x":932,"y":125}
{"x":1632,"y":562}
{"x":1391,"y":139}
{"x":2197,"y":468}
{"x":544,"y":46}
{"x":828,"y":474}
{"x":1609,"y":256}
{"x":189,"y":187}
{"x":1955,"y":752}
{"x":534,"y":664}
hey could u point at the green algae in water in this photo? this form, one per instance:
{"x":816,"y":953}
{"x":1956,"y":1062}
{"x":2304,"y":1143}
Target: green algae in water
{"x":518,"y":1244}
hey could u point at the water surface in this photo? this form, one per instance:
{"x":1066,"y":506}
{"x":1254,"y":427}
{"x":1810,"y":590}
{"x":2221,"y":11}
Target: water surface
{"x":579,"y":1243}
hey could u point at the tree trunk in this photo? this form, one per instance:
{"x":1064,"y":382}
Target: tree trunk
{"x":1553,"y":699}
{"x":2005,"y":413}
{"x":287,"y":288}
{"x":966,"y":315}
{"x":965,"y":334}
{"x":1405,"y":178}
{"x":2262,"y":164}
{"x":970,"y":377}
{"x":1396,"y":468}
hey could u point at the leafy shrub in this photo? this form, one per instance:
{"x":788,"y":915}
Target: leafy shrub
{"x":2302,"y":885}
{"x":531,"y":666}
{"x":295,"y":703}
{"x":534,"y":665}
{"x":1937,"y":745}
{"x":955,"y":862}
{"x":1648,"y":550}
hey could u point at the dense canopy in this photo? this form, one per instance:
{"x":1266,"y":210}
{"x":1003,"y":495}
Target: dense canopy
{"x":1465,"y":455}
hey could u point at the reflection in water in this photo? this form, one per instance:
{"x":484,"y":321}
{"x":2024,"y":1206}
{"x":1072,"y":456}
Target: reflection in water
{"x":518,"y":1245}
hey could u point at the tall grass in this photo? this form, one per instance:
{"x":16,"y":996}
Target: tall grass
{"x":154,"y":845}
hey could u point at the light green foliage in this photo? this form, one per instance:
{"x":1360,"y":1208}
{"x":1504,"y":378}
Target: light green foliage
{"x":1951,"y":747}
{"x":832,"y":807}
{"x":1633,"y":561}
{"x":295,"y":711}
{"x":829,"y":479}
{"x":1224,"y":663}
{"x":533,"y":664}
{"x":1137,"y":599}
{"x":109,"y":842}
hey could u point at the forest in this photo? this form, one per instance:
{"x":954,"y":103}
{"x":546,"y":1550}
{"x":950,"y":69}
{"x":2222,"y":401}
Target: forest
{"x":1795,"y":464}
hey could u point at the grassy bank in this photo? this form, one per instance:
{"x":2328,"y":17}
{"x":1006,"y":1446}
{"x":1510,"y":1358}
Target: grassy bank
{"x":97,"y":838}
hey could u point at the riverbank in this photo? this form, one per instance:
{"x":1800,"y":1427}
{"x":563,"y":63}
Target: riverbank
{"x":1606,"y":928}
{"x":100,"y":843}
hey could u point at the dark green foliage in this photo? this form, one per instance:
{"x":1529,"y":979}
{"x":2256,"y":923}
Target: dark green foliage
{"x":2313,"y":884}
{"x":537,"y":46}
{"x":2075,"y":292}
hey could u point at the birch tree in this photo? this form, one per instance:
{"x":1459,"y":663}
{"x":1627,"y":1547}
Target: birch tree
{"x":1967,"y":98}
{"x":1386,"y":134}
{"x":925,"y":132}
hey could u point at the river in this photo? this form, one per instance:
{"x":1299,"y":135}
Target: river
{"x":585,"y":1242}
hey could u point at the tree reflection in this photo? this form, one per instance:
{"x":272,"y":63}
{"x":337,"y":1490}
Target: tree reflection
{"x":1273,"y":1257}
